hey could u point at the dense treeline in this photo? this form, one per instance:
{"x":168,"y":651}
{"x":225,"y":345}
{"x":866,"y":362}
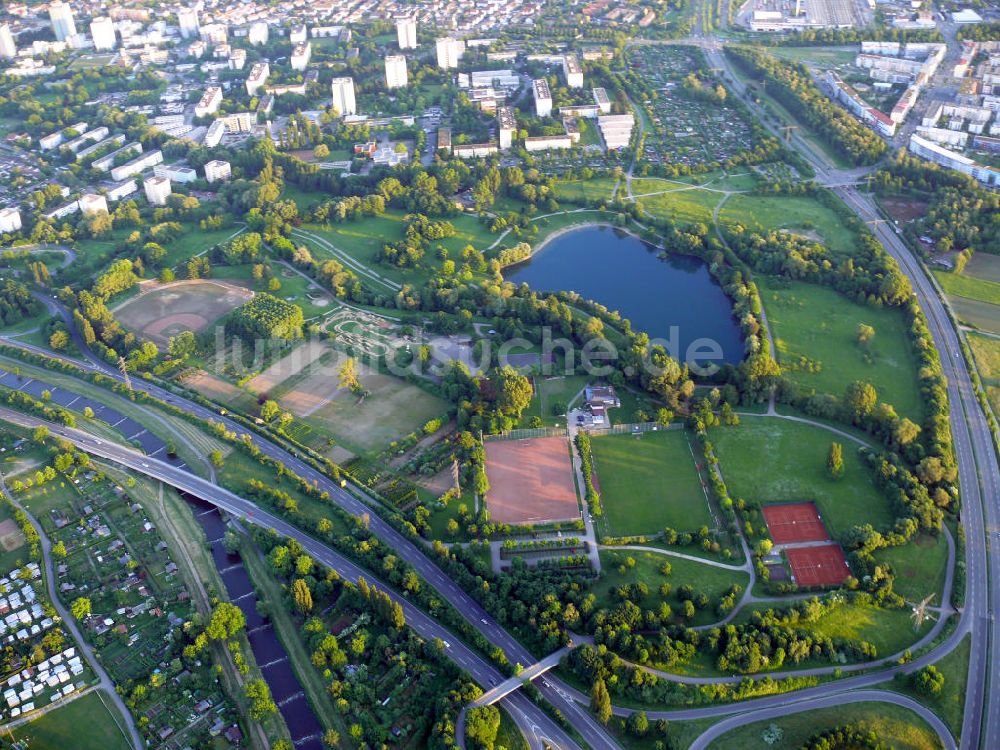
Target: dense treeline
{"x":791,"y":84}
{"x":16,"y":303}
{"x":265,"y":316}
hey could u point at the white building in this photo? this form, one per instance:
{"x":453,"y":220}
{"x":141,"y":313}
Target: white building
{"x":187,"y":19}
{"x":157,"y":190}
{"x":7,"y":46}
{"x":214,"y":33}
{"x":449,"y":52}
{"x":10,"y":220}
{"x":103,"y":32}
{"x":92,"y":203}
{"x":573,"y":72}
{"x":175,"y":173}
{"x":258,"y":77}
{"x":395,"y":71}
{"x":91,"y":136}
{"x":213,"y":136}
{"x":237,"y":59}
{"x":602,"y":101}
{"x":616,"y":129}
{"x":63,"y":25}
{"x":300,"y":55}
{"x":209,"y":102}
{"x":217,"y":170}
{"x":474,"y":150}
{"x":258,"y":33}
{"x":343,"y":96}
{"x":506,"y":126}
{"x":119,"y":191}
{"x":543,"y":97}
{"x":547,"y":142}
{"x":298,"y":34}
{"x":137,"y":165}
{"x":406,"y":33}
{"x":106,"y":162}
{"x":952,"y":160}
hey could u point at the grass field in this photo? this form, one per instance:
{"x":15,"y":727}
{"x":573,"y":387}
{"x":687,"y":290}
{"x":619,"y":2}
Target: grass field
{"x":551,"y":392}
{"x":772,"y":460}
{"x":825,"y":56}
{"x":816,"y":325}
{"x":794,"y":213}
{"x":691,"y":205}
{"x":920,"y":567}
{"x":702,"y":578}
{"x":894,"y":726}
{"x":982,"y":315}
{"x":195,"y":242}
{"x":598,"y":188}
{"x":950,"y":702}
{"x":986,"y":351}
{"x":88,"y":723}
{"x":969,"y":287}
{"x":648,"y":482}
{"x":984,"y":266}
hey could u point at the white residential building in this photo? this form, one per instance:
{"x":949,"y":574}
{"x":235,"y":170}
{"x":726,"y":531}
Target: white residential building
{"x":137,"y":165}
{"x":616,"y":129}
{"x":213,"y":136}
{"x":106,"y":162}
{"x":300,"y":55}
{"x":237,"y":59}
{"x":258,"y":33}
{"x":175,"y":173}
{"x":406,"y":33}
{"x":395,"y":72}
{"x":209,"y":102}
{"x":7,"y":47}
{"x":92,"y":203}
{"x":258,"y":77}
{"x":298,"y":35}
{"x":602,"y":101}
{"x":543,"y":97}
{"x":506,"y":126}
{"x":63,"y":24}
{"x":953,"y":160}
{"x":342,"y":90}
{"x":187,"y":19}
{"x":91,"y":136}
{"x":103,"y":32}
{"x":214,"y":33}
{"x":217,"y":170}
{"x":547,"y":142}
{"x":10,"y":220}
{"x":122,"y":189}
{"x":449,"y":52}
{"x":157,"y":190}
{"x":573,"y":72}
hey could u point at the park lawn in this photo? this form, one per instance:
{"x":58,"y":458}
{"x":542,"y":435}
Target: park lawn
{"x":814,"y":325}
{"x":197,"y":242}
{"x":950,"y":702}
{"x":596,"y":188}
{"x":307,"y":201}
{"x":774,"y":460}
{"x":794,"y":213}
{"x":969,"y":287}
{"x":894,"y":726}
{"x":87,"y":723}
{"x":305,"y":293}
{"x":920,"y":566}
{"x":17,"y":555}
{"x":983,"y":266}
{"x":648,"y":481}
{"x":549,"y":393}
{"x":982,"y":315}
{"x":706,"y":579}
{"x":691,"y":205}
{"x":543,"y":227}
{"x":825,"y":56}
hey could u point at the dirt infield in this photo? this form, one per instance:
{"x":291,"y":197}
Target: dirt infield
{"x":164,"y":310}
{"x":791,"y":523}
{"x":11,"y":536}
{"x":531,"y":481}
{"x":824,"y":565}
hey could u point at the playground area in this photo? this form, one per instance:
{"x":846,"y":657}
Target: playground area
{"x":531,"y":481}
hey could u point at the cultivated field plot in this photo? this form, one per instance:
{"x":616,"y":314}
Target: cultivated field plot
{"x":647,"y":482}
{"x":531,"y":481}
{"x":976,"y":313}
{"x":816,"y":331}
{"x":166,"y":310}
{"x":984,"y":266}
{"x":824,"y":565}
{"x":794,"y":522}
{"x":291,"y":364}
{"x":686,"y":130}
{"x":969,"y":287}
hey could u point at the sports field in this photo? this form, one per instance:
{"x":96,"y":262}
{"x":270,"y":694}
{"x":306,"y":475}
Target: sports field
{"x":647,"y":482}
{"x":816,"y":330}
{"x":770,"y":460}
{"x":86,"y":723}
{"x":818,"y":566}
{"x":161,"y":311}
{"x":531,"y":481}
{"x":794,"y":522}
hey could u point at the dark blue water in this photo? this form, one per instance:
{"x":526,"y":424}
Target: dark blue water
{"x":674,"y":300}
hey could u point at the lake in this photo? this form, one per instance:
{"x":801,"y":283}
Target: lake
{"x":675,"y":299}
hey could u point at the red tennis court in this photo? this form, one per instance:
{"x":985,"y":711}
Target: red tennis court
{"x":818,"y":566}
{"x":794,"y":522}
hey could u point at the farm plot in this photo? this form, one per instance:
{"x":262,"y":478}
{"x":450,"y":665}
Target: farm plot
{"x":531,"y":481}
{"x":647,"y":482}
{"x":162,"y":311}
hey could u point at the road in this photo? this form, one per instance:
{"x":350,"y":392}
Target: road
{"x":106,"y":684}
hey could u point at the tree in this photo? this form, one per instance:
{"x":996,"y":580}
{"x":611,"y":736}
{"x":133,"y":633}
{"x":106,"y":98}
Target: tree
{"x":928,"y":681}
{"x":865,"y":334}
{"x":859,"y":400}
{"x":59,"y":549}
{"x":513,"y":391}
{"x":80,"y":608}
{"x":216,"y":458}
{"x":600,"y":701}
{"x":835,"y":461}
{"x":269,"y":410}
{"x":225,"y":622}
{"x":637,"y":724}
{"x":348,"y":376}
{"x":59,"y":340}
{"x":481,"y":726}
{"x":183,"y":345}
{"x":302,"y":596}
{"x":41,"y":434}
{"x":259,"y":696}
{"x":331,"y":738}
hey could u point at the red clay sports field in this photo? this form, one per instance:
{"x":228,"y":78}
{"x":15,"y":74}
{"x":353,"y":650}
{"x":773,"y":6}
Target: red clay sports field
{"x":790,"y":523}
{"x":797,"y":527}
{"x":818,"y":566}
